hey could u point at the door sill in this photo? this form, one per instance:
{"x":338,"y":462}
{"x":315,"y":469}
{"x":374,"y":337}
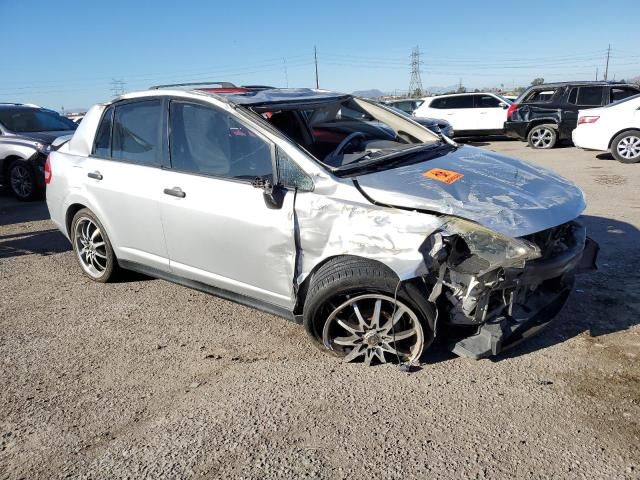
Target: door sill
{"x":218,"y":292}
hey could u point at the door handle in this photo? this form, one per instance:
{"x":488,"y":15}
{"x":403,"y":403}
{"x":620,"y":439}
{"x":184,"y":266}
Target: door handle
{"x":97,"y":175}
{"x":175,"y":192}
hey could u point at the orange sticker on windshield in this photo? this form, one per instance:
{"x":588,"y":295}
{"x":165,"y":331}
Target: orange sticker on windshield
{"x":446,"y":176}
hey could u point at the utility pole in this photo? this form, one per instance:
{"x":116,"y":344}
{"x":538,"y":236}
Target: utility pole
{"x":596,"y":74}
{"x":315,"y":56}
{"x":415,"y":82}
{"x":117,"y":87}
{"x":606,"y":70}
{"x":286,"y":74}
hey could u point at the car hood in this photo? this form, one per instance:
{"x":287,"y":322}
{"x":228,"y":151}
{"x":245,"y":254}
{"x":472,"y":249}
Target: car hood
{"x":42,"y":137}
{"x":507,"y":195}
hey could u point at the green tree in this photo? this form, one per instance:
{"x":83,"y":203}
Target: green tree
{"x":537,"y":81}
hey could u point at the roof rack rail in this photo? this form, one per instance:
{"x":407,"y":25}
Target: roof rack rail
{"x":195,"y":84}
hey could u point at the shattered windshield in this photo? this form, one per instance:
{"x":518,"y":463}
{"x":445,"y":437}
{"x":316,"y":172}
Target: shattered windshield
{"x":343,"y":133}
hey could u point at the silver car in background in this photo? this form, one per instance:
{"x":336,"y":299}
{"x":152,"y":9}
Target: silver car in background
{"x":297,"y":202}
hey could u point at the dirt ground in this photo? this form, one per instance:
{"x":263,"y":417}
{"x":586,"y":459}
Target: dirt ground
{"x":147,"y":379}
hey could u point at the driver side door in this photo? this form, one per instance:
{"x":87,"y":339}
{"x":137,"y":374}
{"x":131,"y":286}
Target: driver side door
{"x":219,"y":228}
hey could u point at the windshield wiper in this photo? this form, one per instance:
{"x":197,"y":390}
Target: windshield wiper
{"x":395,"y":158}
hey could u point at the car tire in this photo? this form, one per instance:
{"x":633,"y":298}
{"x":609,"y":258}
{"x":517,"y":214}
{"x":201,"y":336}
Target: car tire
{"x":340,"y":313}
{"x":22,"y":181}
{"x":625,"y":147}
{"x":542,"y":137}
{"x":92,"y":247}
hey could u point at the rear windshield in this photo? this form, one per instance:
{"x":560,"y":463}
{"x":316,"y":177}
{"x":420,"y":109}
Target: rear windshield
{"x":21,"y":120}
{"x":540,"y":96}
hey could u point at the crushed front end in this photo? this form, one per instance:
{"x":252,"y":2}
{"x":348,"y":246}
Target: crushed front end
{"x":500,"y":290}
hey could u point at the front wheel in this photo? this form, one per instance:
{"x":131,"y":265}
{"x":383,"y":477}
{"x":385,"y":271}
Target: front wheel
{"x":626,"y":147}
{"x":22,"y":180}
{"x":354,"y":311}
{"x":542,"y":137}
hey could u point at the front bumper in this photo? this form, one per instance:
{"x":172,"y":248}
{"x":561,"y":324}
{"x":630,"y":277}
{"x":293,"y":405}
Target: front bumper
{"x":541,"y":289}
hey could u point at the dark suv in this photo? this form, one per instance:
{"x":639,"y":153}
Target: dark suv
{"x":546,"y":114}
{"x":26,"y":135}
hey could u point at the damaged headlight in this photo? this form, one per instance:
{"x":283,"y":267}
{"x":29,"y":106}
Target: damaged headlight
{"x":477,"y":249}
{"x":43,"y":148}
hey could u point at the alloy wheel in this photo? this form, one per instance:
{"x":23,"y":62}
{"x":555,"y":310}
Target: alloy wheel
{"x":90,"y":247}
{"x":629,"y":147}
{"x":542,"y":137}
{"x":21,"y":181}
{"x":374,"y":327}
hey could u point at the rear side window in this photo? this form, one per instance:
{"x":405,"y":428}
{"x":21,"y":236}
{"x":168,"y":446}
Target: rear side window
{"x":208,"y":141}
{"x":462,"y":101}
{"x":540,"y":96}
{"x":586,"y":96}
{"x":102,"y":147}
{"x":620,"y":93}
{"x":137,"y":134}
{"x":487,"y":101}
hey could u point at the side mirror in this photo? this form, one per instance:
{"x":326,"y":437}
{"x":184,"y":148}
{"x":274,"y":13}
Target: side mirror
{"x":273,"y":194}
{"x":504,"y":105}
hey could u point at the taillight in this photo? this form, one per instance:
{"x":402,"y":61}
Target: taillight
{"x":47,"y":171}
{"x":591,"y":119}
{"x":512,"y":108}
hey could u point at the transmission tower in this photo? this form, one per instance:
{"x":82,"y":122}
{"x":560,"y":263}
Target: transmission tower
{"x":117,"y":87}
{"x":415,"y":82}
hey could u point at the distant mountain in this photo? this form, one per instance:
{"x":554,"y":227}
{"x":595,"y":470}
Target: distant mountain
{"x":373,"y":93}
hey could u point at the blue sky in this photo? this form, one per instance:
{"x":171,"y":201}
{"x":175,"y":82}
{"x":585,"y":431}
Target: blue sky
{"x":65,"y":53}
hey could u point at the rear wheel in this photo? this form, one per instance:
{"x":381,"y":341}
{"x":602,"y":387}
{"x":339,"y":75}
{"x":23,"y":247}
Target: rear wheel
{"x":352,"y":311}
{"x":92,"y":247}
{"x":22,"y":181}
{"x":543,"y":137}
{"x":626,"y":147}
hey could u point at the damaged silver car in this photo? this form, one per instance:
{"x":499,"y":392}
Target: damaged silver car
{"x":330,"y":210}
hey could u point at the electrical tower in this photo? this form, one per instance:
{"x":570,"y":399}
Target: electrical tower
{"x":117,"y":87}
{"x":415,"y":82}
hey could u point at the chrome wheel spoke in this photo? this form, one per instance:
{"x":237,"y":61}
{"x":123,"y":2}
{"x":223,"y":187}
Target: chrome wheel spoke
{"x":355,"y":353}
{"x":348,"y":327}
{"x":352,"y":340}
{"x":359,"y":316}
{"x":397,"y":316}
{"x":396,"y":337}
{"x":375,"y":318}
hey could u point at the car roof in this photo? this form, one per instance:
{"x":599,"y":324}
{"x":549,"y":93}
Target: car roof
{"x":250,"y":98}
{"x":596,"y":83}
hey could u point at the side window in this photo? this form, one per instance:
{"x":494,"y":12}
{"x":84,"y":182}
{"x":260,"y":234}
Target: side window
{"x":137,"y":133}
{"x":573,"y":96}
{"x":540,"y":96}
{"x":462,"y":101}
{"x":618,"y":93}
{"x":589,"y":96}
{"x":486,"y":101}
{"x":437,"y":103}
{"x":290,"y":174}
{"x":208,"y":141}
{"x":102,"y":146}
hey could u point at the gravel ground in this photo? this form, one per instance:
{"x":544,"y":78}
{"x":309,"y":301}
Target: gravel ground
{"x":146,"y":379}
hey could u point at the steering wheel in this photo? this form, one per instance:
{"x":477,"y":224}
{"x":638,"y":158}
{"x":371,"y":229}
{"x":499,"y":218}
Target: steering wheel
{"x":342,"y":146}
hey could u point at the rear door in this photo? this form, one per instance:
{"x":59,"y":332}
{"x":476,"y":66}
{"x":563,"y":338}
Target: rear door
{"x":220,"y":229}
{"x":124,"y":178}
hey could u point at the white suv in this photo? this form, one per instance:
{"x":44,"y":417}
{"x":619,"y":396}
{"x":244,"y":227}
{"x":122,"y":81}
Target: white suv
{"x":468,"y":113}
{"x":297,"y":202}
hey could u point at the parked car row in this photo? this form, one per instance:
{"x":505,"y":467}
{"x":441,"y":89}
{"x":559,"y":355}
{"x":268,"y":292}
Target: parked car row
{"x":544,"y":115}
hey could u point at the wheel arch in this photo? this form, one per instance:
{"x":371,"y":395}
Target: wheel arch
{"x":70,"y":213}
{"x":628,"y":129}
{"x":414,"y":287}
{"x":542,"y":121}
{"x":7,"y":161}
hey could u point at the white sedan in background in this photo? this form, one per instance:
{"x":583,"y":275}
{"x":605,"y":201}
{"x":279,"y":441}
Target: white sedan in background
{"x":614,"y":128}
{"x":469,"y":114}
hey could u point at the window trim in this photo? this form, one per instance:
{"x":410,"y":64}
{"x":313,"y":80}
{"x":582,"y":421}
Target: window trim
{"x":270,"y":144}
{"x":163,"y":140}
